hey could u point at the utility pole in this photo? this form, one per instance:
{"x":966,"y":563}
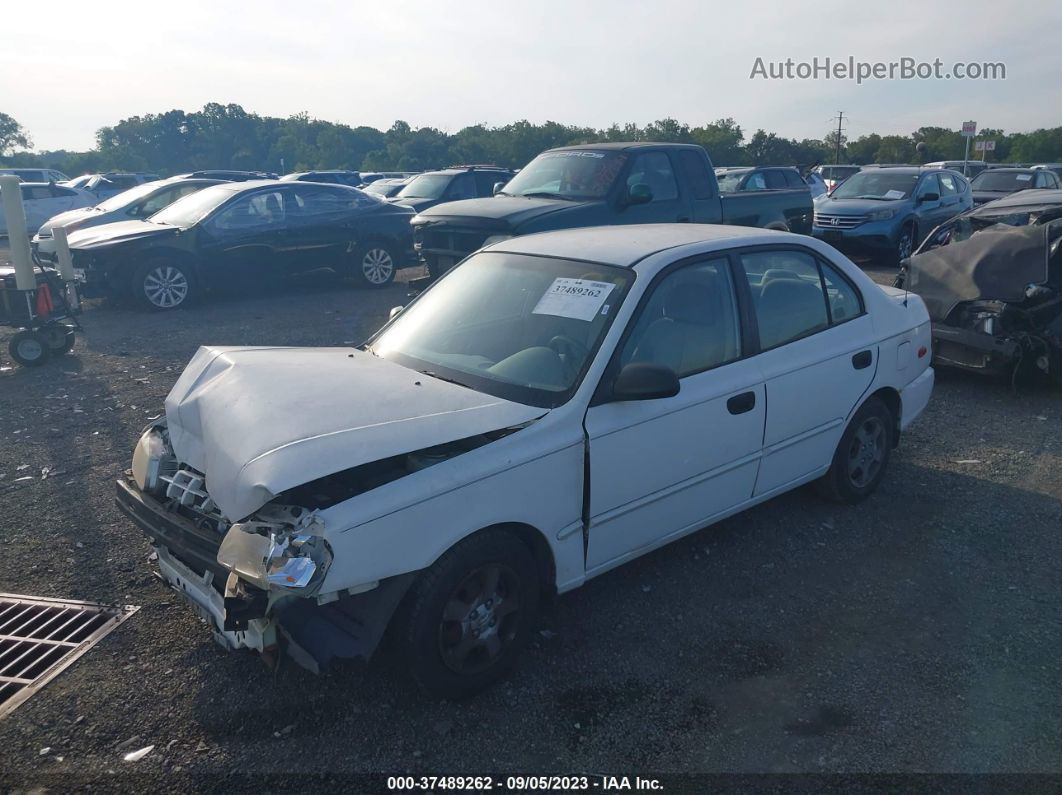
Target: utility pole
{"x":840,"y":123}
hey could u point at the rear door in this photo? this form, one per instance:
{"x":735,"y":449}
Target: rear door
{"x":662,"y":467}
{"x":818,"y":357}
{"x":668,"y":204}
{"x":38,"y":204}
{"x":319,"y":225}
{"x":700,"y":185}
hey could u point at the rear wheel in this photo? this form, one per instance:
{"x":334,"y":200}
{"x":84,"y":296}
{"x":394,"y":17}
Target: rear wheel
{"x":862,"y":455}
{"x":162,"y":283}
{"x":29,"y":348}
{"x":470,"y":615}
{"x":374,"y":264}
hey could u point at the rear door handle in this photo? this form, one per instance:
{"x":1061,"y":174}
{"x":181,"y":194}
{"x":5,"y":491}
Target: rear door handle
{"x":740,"y":404}
{"x":862,"y":360}
{"x":683,"y":219}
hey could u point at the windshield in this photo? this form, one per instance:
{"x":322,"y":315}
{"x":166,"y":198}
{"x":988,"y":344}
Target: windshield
{"x":426,"y":186}
{"x":1009,"y":181}
{"x":878,"y":184}
{"x":382,"y":188}
{"x":569,"y":174}
{"x":193,"y":208}
{"x":126,"y":197}
{"x":517,"y":327}
{"x":729,"y":180}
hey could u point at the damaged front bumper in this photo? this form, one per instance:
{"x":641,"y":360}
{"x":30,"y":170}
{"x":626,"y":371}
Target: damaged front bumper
{"x":314,"y":631}
{"x":974,"y":351}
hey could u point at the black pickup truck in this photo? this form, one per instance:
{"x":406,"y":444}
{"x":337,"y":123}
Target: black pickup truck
{"x":600,"y":184}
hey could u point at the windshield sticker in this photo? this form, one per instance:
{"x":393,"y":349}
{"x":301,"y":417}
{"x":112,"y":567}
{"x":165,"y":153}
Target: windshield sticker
{"x":548,"y":155}
{"x":578,"y":299}
{"x":1023,"y":177}
{"x":894,"y":194}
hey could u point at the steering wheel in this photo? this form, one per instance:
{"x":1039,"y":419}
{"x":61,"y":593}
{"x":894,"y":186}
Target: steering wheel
{"x":571,"y":352}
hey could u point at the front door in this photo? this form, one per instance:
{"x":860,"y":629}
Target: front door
{"x":819,"y":357}
{"x":246,"y":240}
{"x":662,"y":467}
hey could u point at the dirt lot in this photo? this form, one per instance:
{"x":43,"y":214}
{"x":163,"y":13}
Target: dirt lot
{"x":917,"y":632}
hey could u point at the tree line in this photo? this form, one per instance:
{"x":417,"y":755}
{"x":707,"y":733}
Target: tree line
{"x":227,"y":136}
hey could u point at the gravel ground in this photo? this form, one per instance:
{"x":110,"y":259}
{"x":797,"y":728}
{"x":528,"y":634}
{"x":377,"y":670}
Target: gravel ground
{"x":916,"y":632}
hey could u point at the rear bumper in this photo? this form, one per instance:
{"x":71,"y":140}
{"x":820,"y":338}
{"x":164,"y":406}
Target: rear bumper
{"x":915,"y":397}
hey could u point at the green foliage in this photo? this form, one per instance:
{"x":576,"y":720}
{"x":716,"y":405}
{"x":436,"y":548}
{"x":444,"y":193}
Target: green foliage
{"x":227,"y":136}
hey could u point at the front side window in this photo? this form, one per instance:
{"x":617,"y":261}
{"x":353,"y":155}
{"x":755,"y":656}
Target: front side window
{"x":462,"y":187}
{"x":259,"y":210}
{"x":518,"y":327}
{"x":690,"y":321}
{"x":165,"y":198}
{"x":654,"y":169}
{"x":787,"y":295}
{"x":426,"y":186}
{"x":947,"y":182}
{"x":692,"y":165}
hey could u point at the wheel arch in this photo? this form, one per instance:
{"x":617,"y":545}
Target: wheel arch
{"x":535,"y":540}
{"x":124,"y":271}
{"x":892,"y":400}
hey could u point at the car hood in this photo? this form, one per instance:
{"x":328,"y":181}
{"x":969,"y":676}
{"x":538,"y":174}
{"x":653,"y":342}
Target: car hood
{"x":71,"y":218}
{"x":120,"y":232}
{"x":258,"y":421}
{"x":833,"y":206}
{"x":499,"y":211}
{"x":414,"y":204}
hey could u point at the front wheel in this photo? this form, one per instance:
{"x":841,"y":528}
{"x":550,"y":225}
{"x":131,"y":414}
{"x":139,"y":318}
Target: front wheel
{"x":905,"y":244}
{"x":374,"y":264}
{"x":29,"y":348}
{"x":162,"y":284}
{"x":470,"y":615}
{"x":862,"y":455}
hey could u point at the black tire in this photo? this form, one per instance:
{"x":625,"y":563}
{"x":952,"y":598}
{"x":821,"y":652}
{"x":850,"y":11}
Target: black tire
{"x":905,"y":244}
{"x":862,"y":455}
{"x":163,"y":283}
{"x":451,"y":631}
{"x":29,"y":348}
{"x":374,"y":264}
{"x":60,"y":338}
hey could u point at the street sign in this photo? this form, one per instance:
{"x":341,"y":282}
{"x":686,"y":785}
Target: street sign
{"x":969,"y":129}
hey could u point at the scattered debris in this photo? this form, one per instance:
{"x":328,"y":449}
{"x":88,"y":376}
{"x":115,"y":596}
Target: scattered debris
{"x":136,"y":756}
{"x":646,"y":588}
{"x":45,"y":751}
{"x":968,"y":461}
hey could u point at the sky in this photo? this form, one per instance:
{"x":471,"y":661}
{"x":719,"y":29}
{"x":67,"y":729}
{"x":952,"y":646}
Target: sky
{"x":449,"y":63}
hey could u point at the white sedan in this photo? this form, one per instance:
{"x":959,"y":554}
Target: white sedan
{"x":557,"y":405}
{"x":42,"y":200}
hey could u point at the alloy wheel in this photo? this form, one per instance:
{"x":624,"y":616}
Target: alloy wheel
{"x":480,"y":619}
{"x":166,"y":286}
{"x":867,"y":452}
{"x":377,"y":266}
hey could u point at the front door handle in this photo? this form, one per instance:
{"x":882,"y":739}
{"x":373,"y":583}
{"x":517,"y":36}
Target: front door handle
{"x":740,"y":404}
{"x":862,"y":360}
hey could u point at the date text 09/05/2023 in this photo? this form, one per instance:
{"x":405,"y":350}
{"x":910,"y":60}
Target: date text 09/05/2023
{"x":523,"y":783}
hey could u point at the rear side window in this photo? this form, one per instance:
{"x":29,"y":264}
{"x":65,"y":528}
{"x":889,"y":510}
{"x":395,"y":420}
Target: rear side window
{"x":696,"y":173}
{"x":793,"y":180}
{"x":756,"y":181}
{"x":485,"y":181}
{"x":36,"y":192}
{"x":843,"y":299}
{"x":787,"y":294}
{"x":775,"y":180}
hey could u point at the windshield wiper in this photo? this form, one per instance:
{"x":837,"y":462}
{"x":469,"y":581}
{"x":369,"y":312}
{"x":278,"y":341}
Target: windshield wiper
{"x":541,"y":194}
{"x":434,"y":374}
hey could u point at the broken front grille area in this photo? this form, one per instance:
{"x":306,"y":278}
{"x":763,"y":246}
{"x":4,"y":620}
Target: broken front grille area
{"x":186,"y":493}
{"x":41,"y":637}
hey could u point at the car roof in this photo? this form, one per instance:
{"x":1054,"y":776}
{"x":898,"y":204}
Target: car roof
{"x":619,"y":146}
{"x":1012,"y":170}
{"x":1024,"y":198}
{"x":624,"y":245}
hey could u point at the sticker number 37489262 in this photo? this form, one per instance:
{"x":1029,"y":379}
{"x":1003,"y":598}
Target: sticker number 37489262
{"x":575,"y":298}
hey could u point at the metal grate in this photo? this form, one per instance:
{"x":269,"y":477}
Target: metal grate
{"x":39,"y":638}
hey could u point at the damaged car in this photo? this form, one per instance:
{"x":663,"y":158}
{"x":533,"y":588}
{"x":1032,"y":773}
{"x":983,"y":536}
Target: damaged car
{"x":992,"y":281}
{"x":553,"y":407}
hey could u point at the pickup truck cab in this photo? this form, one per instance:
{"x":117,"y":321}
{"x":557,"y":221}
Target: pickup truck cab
{"x":597,"y":185}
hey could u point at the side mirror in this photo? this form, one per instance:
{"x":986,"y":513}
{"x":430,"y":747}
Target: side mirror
{"x":395,"y":312}
{"x":498,"y":186}
{"x":639,"y":193}
{"x":645,"y":381}
{"x":929,"y":197}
